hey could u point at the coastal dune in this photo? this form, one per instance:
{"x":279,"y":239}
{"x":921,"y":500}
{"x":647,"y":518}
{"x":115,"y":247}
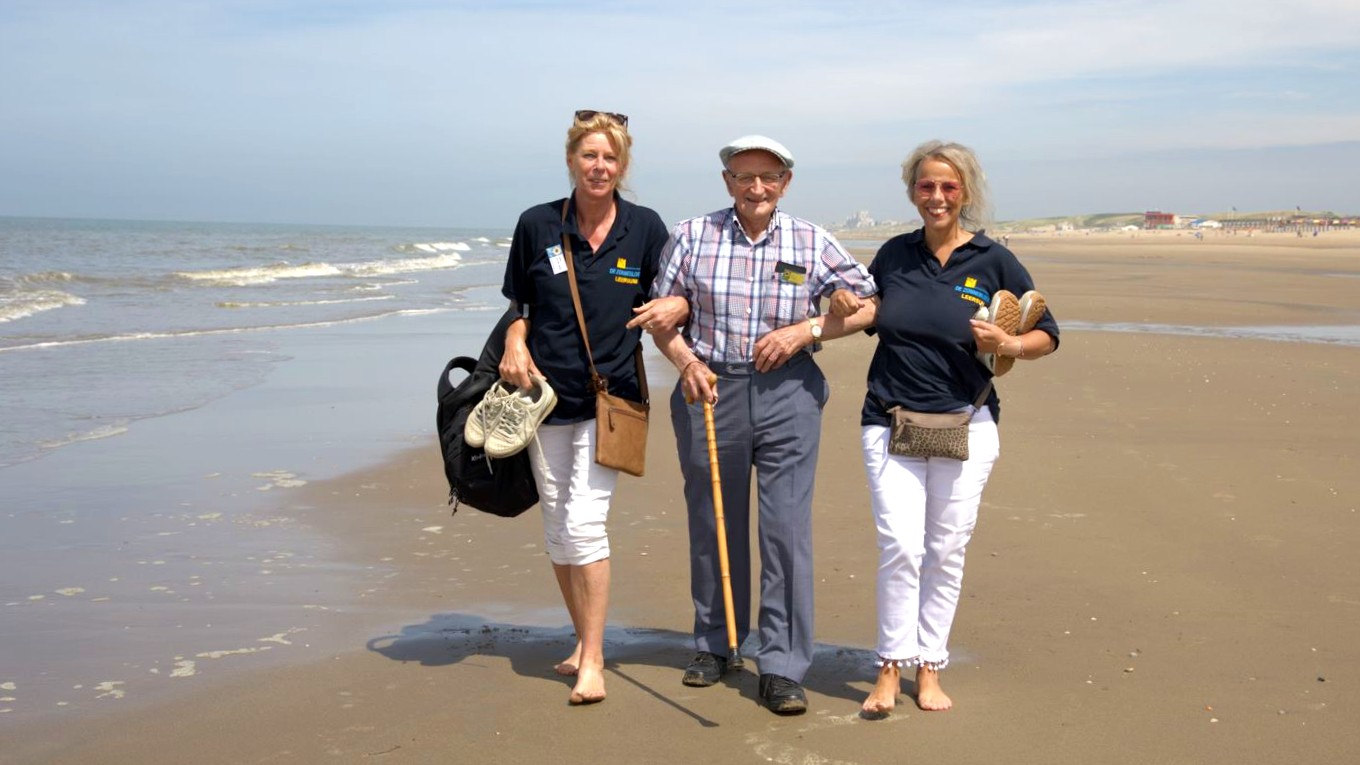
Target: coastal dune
{"x":1164,"y":568}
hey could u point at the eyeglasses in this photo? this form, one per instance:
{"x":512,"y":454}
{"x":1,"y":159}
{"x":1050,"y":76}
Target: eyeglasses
{"x":749,"y":179}
{"x":586,"y":115}
{"x":949,"y":189}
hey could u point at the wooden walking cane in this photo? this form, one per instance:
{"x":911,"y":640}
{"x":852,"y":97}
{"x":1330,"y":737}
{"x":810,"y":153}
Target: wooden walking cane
{"x":734,"y":658}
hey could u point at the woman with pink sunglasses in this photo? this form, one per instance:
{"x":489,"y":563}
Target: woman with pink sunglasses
{"x":931,"y":283}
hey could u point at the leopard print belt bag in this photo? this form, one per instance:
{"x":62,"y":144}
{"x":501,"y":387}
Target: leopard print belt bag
{"x":930,"y":434}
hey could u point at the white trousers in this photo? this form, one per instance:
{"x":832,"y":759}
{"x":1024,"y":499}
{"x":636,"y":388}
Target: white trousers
{"x":573,"y":493}
{"x":925,"y":511}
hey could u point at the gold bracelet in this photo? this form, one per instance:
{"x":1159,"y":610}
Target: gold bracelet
{"x":1020,"y":345}
{"x":688,"y":365}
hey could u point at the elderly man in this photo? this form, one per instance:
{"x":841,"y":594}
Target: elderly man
{"x":754,"y":278}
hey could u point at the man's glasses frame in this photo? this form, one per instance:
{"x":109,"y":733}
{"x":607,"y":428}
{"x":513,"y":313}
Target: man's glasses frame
{"x":749,"y":179}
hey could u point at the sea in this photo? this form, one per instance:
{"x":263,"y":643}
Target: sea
{"x":104,"y":324}
{"x":166,"y":390}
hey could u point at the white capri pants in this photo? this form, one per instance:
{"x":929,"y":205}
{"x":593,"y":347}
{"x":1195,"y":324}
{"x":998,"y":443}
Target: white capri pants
{"x":573,"y":493}
{"x":925,"y":510}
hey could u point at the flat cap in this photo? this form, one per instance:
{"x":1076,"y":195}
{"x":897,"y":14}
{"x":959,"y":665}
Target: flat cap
{"x":754,"y":143}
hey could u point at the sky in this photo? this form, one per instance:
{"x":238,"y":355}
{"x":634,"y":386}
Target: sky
{"x":422,"y":113}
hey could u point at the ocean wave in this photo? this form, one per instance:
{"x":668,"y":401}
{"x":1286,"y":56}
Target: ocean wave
{"x":132,"y":336}
{"x":25,"y":304}
{"x":106,"y":431}
{"x":251,"y":275}
{"x":255,"y":275}
{"x":405,"y":266}
{"x":442,"y":247}
{"x":44,"y":277}
{"x":282,"y":303}
{"x":368,"y":286}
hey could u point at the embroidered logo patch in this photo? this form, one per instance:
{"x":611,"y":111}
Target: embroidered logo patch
{"x":623,"y":274}
{"x":969,"y":291}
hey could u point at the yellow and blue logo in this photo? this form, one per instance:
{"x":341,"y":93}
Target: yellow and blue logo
{"x":623,"y":274}
{"x":969,"y":291}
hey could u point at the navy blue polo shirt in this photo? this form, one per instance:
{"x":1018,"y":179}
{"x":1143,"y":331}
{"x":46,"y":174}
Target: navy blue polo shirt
{"x":926,"y":358}
{"x":612,"y":282}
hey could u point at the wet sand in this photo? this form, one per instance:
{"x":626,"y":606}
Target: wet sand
{"x":1164,"y":569}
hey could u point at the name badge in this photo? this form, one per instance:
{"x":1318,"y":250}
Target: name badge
{"x":556,"y":259}
{"x":789,"y":273}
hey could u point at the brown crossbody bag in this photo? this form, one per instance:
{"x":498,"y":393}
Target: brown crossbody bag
{"x":620,"y":424}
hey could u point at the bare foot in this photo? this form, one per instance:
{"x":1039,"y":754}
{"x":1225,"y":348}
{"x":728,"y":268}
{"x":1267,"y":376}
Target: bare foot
{"x":567,"y":668}
{"x":929,"y":695}
{"x":589,"y":686}
{"x":884,"y":696}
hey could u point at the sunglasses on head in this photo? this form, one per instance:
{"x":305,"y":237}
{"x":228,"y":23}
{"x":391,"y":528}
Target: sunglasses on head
{"x":947,"y":188}
{"x":586,"y":115}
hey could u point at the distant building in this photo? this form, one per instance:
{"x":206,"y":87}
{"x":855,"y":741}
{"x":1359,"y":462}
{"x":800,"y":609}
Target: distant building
{"x":860,"y":219}
{"x":1159,"y":219}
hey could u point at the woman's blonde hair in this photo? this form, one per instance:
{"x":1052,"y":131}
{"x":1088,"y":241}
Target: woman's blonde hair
{"x":977,"y":207}
{"x":614,"y":132}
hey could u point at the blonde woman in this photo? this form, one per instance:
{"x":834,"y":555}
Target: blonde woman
{"x":615,"y":245}
{"x":931,"y":282}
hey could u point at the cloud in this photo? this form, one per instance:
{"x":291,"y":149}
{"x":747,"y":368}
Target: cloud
{"x":414,"y":106}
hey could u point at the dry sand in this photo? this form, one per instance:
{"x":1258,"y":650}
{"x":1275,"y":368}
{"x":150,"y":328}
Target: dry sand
{"x":1164,"y":570}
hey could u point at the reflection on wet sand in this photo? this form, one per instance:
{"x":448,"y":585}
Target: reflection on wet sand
{"x":1332,"y":334}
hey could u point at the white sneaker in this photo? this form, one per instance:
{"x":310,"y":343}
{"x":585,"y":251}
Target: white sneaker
{"x":1032,"y":309}
{"x":520,"y":415}
{"x":482,"y":419}
{"x":1004,"y":312}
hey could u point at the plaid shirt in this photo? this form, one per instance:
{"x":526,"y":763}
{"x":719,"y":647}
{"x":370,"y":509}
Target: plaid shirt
{"x":739,"y":290}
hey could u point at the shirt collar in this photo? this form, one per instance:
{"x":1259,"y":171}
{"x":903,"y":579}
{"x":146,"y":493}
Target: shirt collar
{"x":980,"y":242}
{"x":623,"y":215}
{"x":771,"y":229}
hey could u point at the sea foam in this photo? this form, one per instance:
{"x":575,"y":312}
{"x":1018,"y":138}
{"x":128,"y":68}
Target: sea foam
{"x":133,"y":336}
{"x":26,"y":303}
{"x":254,"y":275}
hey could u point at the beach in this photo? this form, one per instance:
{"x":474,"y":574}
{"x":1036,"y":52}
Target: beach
{"x":1163,"y":569}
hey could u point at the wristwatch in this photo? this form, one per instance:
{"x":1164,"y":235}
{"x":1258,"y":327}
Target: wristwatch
{"x":816,"y":330}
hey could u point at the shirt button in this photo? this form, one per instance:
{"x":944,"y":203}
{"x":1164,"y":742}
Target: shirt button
{"x":748,"y":311}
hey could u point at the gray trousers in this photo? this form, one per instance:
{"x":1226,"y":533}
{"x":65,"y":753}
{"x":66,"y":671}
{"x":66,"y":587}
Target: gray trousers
{"x":771,"y":422}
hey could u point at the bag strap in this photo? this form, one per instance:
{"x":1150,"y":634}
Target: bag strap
{"x":977,"y":404}
{"x":982,"y":397}
{"x":597,"y":381}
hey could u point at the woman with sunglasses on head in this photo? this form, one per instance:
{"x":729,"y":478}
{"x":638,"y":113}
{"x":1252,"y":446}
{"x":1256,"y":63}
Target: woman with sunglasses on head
{"x":613,"y":245}
{"x":931,"y":283}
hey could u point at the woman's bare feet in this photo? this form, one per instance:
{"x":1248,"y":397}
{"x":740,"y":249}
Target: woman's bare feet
{"x":884,"y":696}
{"x":929,"y":695}
{"x":589,"y":686}
{"x":567,"y":667}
